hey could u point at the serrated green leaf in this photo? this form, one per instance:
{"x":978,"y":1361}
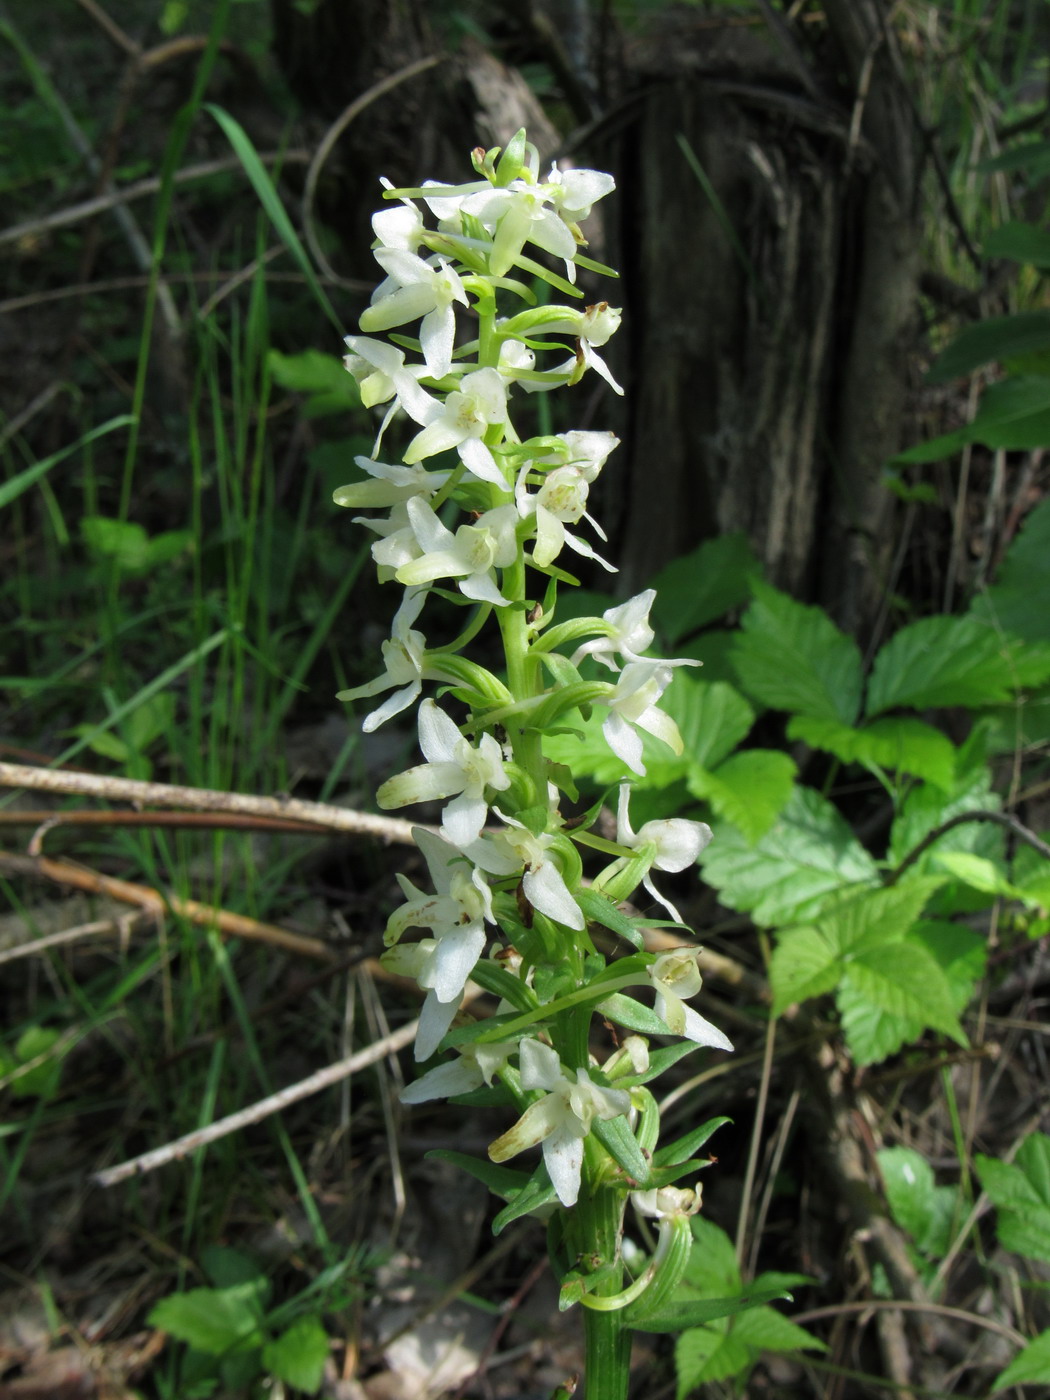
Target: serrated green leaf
{"x":904,"y":980}
{"x":793,"y":657}
{"x":704,"y":1355}
{"x":213,"y":1320}
{"x":1016,"y":602}
{"x":980,"y":874}
{"x":871,"y":1033}
{"x":804,"y":965}
{"x":960,"y":952}
{"x":750,"y":789}
{"x":788,"y":875}
{"x":1021,"y":1192}
{"x":941,"y":661}
{"x":765,"y":1329}
{"x":704,"y":585}
{"x":713,"y":1270}
{"x":902,"y":744}
{"x":995,"y":338}
{"x":1029,"y":1367}
{"x":874,"y":918}
{"x":712,"y":717}
{"x":925,"y":809}
{"x":298,"y":1355}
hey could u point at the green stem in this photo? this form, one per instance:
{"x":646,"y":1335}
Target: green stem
{"x":596,"y":1227}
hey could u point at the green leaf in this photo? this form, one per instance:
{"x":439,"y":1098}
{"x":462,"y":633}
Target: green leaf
{"x":750,"y":789}
{"x":225,"y":1267}
{"x":632,"y":1015}
{"x":995,"y":338}
{"x":916,"y":1202}
{"x":660,"y":1061}
{"x":538,"y":1193}
{"x":926,"y":808}
{"x":712,"y":1270}
{"x":982,"y":874}
{"x":712,"y":717}
{"x":1016,"y":602}
{"x":1030,"y":156}
{"x":793,"y":657}
{"x":787,"y":876}
{"x":298,"y":1355}
{"x":622,"y":1145}
{"x":1014,"y":414}
{"x":684,"y":1147}
{"x":502,"y":1181}
{"x":679,"y":1316}
{"x":1029,"y":1367}
{"x":903,"y":744}
{"x":804,"y":965}
{"x":213,"y":1320}
{"x":1021,"y":242}
{"x":705,"y":1355}
{"x":941,"y":661}
{"x":598,"y":908}
{"x":40,"y":1082}
{"x":329,"y":387}
{"x":767,"y":1330}
{"x":904,"y":980}
{"x":1021,"y":1192}
{"x":704,"y":585}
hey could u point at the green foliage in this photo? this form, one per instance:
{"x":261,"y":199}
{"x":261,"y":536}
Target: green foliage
{"x":233,"y":1335}
{"x":728,"y":1346}
{"x":918,"y":1205}
{"x":28,"y":1067}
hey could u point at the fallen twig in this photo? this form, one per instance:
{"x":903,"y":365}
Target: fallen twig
{"x":19,"y":775}
{"x":151,"y":900}
{"x":255,"y":1113}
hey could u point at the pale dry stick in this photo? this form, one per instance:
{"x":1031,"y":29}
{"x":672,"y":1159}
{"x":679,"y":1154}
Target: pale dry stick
{"x":22,"y":775}
{"x":151,"y":900}
{"x":67,"y":935}
{"x":255,"y":1113}
{"x":125,"y":284}
{"x":105,"y":22}
{"x":783,"y":1133}
{"x":329,"y":139}
{"x":756,"y":1138}
{"x":18,"y":422}
{"x":907,"y":1305}
{"x":86,"y":209}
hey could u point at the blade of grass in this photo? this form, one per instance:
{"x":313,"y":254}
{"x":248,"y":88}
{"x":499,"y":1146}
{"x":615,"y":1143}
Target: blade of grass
{"x":271,"y":202}
{"x":12,"y":489}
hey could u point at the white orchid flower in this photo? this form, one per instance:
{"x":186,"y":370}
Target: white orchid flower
{"x":633,"y":701}
{"x":517,"y":214}
{"x":592,"y":327}
{"x":400,"y":226}
{"x":560,"y":1120}
{"x":561,"y":497}
{"x":476,"y":1065}
{"x":574,"y":192}
{"x":382,"y":376}
{"x":453,"y":767}
{"x":405,"y":665}
{"x":391,"y":485}
{"x":629,"y":635}
{"x":414,"y":289}
{"x":588,"y":450}
{"x":457,"y":915}
{"x":461,"y":422}
{"x":545,"y":888}
{"x":675,"y":842}
{"x":397,"y":544}
{"x":675,"y":975}
{"x":468,"y":556}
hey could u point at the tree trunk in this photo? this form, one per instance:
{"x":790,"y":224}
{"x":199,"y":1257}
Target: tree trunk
{"x":770,"y":282}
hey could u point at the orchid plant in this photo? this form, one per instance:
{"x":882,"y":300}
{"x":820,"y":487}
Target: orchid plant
{"x":481,"y":517}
